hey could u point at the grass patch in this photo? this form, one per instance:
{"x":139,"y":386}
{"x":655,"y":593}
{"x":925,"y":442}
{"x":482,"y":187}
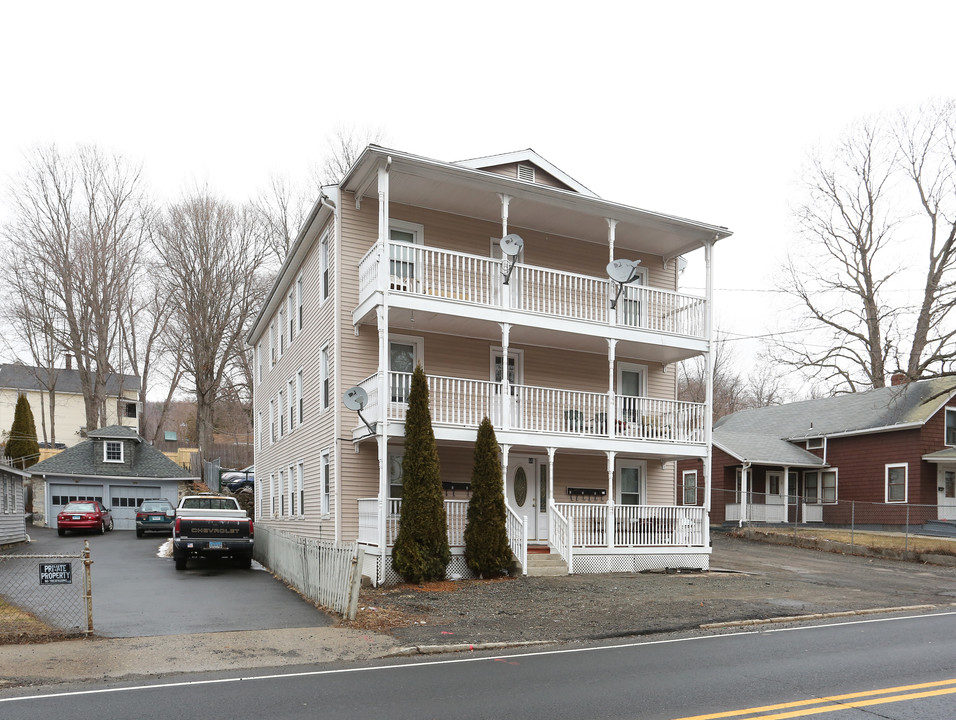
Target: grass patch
{"x":873,"y":540}
{"x":18,"y":625}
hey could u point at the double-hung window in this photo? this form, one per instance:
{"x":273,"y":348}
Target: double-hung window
{"x":300,"y":402}
{"x":324,"y":266}
{"x":324,"y":363}
{"x":950,"y":426}
{"x":690,"y":487}
{"x":290,"y":313}
{"x":113,"y":451}
{"x":828,"y":486}
{"x":896,"y":476}
{"x":299,"y":485}
{"x":631,"y":489}
{"x":298,"y":304}
{"x":280,"y":414}
{"x":326,"y":484}
{"x":292,"y":403}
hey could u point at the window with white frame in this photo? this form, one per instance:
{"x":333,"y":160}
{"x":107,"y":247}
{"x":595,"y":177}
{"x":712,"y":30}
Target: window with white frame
{"x":292,"y":403}
{"x":272,"y":421}
{"x":631,"y":482}
{"x":293,"y":496}
{"x":324,"y":368}
{"x":404,"y":237}
{"x":280,"y":415}
{"x":690,"y":487}
{"x":299,"y":487}
{"x":738,"y":484}
{"x":300,"y":402}
{"x":405,"y":352}
{"x":272,"y":345}
{"x":324,"y":266}
{"x":290,"y":313}
{"x":258,"y":430}
{"x":280,"y":493}
{"x":811,"y":487}
{"x":326,"y":483}
{"x":773,"y":483}
{"x":298,"y":304}
{"x":950,"y":426}
{"x":815,"y":443}
{"x":272,"y":495}
{"x":280,"y":333}
{"x":259,"y":362}
{"x":395,"y":483}
{"x":828,"y":486}
{"x":896,"y":481}
{"x":113,"y":451}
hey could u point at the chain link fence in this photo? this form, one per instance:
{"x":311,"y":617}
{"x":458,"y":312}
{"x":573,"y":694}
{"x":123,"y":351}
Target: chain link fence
{"x":44,"y":596}
{"x":903,"y":526}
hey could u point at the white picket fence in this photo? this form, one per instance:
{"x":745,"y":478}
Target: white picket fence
{"x":326,"y":572}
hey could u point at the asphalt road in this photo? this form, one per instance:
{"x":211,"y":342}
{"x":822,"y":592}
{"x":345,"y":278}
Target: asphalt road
{"x":137,"y":593}
{"x":902,"y":669}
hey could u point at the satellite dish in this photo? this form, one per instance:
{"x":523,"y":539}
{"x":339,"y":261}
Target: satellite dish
{"x":623,"y":271}
{"x":511,"y":244}
{"x":355,"y":398}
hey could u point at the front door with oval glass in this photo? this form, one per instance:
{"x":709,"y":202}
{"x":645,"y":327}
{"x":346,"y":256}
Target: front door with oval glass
{"x":527,"y":493}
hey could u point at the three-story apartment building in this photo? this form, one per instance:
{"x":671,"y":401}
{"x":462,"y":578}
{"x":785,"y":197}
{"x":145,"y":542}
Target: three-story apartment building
{"x":402,"y":264}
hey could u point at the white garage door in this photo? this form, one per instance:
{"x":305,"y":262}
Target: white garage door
{"x":125,"y":499}
{"x":60,"y":495}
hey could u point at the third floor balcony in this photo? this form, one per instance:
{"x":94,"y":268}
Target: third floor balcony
{"x":445,"y":279}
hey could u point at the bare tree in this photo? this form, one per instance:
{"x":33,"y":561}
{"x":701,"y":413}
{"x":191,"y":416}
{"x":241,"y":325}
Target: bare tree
{"x":343,"y":147}
{"x":888,"y":189}
{"x":78,"y":229}
{"x":282,"y":209}
{"x":212,"y":252}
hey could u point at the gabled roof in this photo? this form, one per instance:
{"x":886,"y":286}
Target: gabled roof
{"x":82,"y":459}
{"x":24,"y":377}
{"x":526,"y":156}
{"x":767,"y":435}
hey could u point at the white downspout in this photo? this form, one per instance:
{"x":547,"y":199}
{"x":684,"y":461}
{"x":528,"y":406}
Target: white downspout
{"x":709,"y":395}
{"x":383,"y":359}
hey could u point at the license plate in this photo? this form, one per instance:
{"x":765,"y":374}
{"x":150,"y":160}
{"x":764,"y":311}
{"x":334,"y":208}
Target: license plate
{"x":157,"y":518}
{"x":215,"y":544}
{"x":76,"y":517}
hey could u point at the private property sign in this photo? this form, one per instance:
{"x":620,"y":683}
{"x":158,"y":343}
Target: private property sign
{"x":56,"y":573}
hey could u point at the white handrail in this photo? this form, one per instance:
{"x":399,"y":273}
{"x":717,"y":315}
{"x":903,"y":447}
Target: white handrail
{"x":517,"y":528}
{"x":561,"y":534}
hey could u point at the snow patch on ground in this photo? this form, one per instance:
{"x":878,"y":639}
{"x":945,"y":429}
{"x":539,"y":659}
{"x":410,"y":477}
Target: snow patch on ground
{"x":166,"y":549}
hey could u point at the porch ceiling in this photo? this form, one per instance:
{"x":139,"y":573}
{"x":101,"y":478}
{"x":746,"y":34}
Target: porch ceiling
{"x":474,"y":193}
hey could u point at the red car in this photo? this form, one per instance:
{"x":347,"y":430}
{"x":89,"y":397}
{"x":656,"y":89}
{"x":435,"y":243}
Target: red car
{"x":84,"y":515}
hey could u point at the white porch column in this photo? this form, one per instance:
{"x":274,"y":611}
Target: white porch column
{"x":611,"y":237}
{"x":505,"y":450}
{"x":786,"y":494}
{"x":382,"y":443}
{"x":505,"y":381}
{"x":611,"y":454}
{"x":744,"y":493}
{"x":611,"y":405}
{"x":709,"y":394}
{"x":384,"y":270}
{"x":505,"y":293}
{"x":551,"y":500}
{"x":384,"y":402}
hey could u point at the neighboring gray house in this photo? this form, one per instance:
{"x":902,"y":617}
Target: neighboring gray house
{"x":114,"y":466}
{"x":13,"y":526}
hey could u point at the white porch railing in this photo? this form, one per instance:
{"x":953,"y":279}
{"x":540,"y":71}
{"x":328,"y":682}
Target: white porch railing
{"x":757,"y":512}
{"x":631,"y":526}
{"x":461,"y":402}
{"x":475,"y":279}
{"x":517,"y":528}
{"x":572,"y":525}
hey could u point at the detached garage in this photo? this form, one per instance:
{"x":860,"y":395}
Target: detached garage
{"x":113,"y":466}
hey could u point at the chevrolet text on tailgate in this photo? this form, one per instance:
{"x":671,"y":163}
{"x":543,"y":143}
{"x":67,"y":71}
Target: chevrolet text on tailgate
{"x":212,"y":526}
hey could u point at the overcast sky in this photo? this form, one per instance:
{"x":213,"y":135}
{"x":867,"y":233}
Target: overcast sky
{"x":700,"y":109}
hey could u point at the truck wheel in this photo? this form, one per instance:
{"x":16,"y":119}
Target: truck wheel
{"x":139,"y":533}
{"x":180,"y":561}
{"x":245,"y":562}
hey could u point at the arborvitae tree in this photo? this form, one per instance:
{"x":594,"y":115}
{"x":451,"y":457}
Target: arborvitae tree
{"x":486,"y":535}
{"x":22,"y":444}
{"x":421,"y":549}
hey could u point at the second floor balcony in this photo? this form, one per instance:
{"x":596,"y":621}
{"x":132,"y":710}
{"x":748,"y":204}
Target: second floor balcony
{"x":462,"y":403}
{"x":479,"y":281}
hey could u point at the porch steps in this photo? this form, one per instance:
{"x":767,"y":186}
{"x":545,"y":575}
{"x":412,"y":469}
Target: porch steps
{"x":543,"y":563}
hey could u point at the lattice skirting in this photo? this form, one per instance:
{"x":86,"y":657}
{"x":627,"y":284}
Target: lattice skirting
{"x":375,"y":565}
{"x":591,"y":564}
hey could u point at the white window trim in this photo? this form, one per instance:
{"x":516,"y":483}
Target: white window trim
{"x":515,"y":353}
{"x":684,"y":487}
{"x":417,"y":229}
{"x":290,"y":491}
{"x":272,"y":345}
{"x":325,"y":370}
{"x":259,"y":363}
{"x":619,"y":465}
{"x":326,"y":486}
{"x":906,"y":482}
{"x":122,"y":449}
{"x":292,"y":403}
{"x":272,"y":495}
{"x":280,"y":325}
{"x":946,"y":425}
{"x":819,"y":498}
{"x":280,"y":415}
{"x":272,"y":421}
{"x":816,"y":443}
{"x":300,"y":400}
{"x":290,"y":315}
{"x":641,"y":370}
{"x":258,"y":430}
{"x":836,"y":486}
{"x":779,"y":475}
{"x":299,"y":314}
{"x":324,"y":267}
{"x":299,"y":488}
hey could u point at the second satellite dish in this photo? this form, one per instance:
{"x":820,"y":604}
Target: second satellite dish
{"x":511,"y":245}
{"x":355,"y":398}
{"x":622,"y":272}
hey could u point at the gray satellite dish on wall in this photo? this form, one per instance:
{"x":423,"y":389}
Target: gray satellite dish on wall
{"x":356,"y":399}
{"x":622,"y":272}
{"x":511,"y":245}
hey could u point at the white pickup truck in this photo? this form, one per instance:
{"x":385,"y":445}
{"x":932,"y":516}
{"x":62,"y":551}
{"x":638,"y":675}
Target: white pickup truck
{"x":212,"y":526}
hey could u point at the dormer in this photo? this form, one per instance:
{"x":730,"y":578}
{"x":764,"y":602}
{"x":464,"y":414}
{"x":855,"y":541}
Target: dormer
{"x":527,"y":166}
{"x":114,"y":446}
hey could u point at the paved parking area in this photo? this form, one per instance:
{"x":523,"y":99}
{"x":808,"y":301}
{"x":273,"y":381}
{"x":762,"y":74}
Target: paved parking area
{"x":137,"y":593}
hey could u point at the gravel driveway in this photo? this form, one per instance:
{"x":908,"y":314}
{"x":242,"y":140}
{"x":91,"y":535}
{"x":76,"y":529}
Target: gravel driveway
{"x":748,"y":580}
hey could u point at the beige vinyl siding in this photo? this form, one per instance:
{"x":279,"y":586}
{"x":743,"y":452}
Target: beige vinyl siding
{"x":540,"y":176}
{"x":590,"y":471}
{"x":586,"y":256}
